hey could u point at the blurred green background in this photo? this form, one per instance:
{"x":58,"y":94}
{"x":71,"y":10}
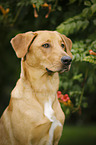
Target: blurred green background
{"x":77,"y":20}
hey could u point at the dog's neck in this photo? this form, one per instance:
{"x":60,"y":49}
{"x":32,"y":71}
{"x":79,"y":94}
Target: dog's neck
{"x":40,"y":80}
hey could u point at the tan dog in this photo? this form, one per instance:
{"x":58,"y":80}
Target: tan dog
{"x":34,"y":115}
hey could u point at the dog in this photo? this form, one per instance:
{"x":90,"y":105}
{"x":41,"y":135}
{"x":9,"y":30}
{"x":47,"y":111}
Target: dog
{"x":34,"y":115}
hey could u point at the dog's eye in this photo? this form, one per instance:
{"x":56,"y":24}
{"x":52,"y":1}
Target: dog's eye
{"x":46,"y":45}
{"x":62,"y":45}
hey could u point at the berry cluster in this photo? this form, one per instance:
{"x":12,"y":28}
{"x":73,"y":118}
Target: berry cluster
{"x":64,"y":99}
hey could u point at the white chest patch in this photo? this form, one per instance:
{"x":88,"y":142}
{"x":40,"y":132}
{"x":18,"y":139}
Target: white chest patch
{"x":49,"y":113}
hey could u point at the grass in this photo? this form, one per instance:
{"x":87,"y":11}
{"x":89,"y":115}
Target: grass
{"x":74,"y":135}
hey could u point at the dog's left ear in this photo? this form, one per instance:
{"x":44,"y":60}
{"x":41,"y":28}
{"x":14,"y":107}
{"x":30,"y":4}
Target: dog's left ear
{"x":68,"y":44}
{"x":21,"y":42}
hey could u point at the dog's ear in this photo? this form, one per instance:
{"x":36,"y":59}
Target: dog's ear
{"x":68,"y":45}
{"x":21,"y":42}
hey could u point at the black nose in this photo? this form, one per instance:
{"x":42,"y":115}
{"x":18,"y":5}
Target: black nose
{"x":66,"y":60}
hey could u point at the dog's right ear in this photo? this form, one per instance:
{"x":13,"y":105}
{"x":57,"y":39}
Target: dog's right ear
{"x":21,"y":42}
{"x":68,"y":44}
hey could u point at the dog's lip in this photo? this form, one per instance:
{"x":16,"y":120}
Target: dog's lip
{"x":48,"y":70}
{"x":59,"y":71}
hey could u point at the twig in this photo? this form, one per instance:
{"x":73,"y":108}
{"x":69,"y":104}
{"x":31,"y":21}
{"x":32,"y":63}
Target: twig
{"x":80,"y":101}
{"x":17,"y":14}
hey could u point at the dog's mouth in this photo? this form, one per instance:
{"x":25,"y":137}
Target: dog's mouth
{"x":49,"y":71}
{"x":64,"y":68}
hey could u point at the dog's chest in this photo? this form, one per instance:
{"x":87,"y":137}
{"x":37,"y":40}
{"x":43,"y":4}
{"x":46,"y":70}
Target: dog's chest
{"x":49,"y":113}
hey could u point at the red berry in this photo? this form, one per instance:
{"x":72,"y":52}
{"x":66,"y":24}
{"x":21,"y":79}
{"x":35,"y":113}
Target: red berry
{"x":65,"y":98}
{"x":59,"y":93}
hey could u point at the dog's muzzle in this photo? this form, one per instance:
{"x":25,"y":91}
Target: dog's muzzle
{"x":66,"y":61}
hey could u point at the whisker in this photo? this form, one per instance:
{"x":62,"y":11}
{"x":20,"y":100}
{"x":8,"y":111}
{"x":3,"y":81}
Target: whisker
{"x":55,"y":65}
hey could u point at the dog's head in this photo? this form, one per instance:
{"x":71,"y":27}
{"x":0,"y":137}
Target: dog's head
{"x":47,"y":50}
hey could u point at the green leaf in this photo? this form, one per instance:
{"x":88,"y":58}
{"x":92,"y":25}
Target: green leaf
{"x":71,"y":1}
{"x":87,"y":3}
{"x":85,"y":12}
{"x":85,"y":24}
{"x":85,"y":105}
{"x":94,"y":21}
{"x":77,"y":77}
{"x":75,"y":93}
{"x":93,"y":8}
{"x":59,"y":8}
{"x":79,"y":25}
{"x":67,"y":111}
{"x":93,"y":1}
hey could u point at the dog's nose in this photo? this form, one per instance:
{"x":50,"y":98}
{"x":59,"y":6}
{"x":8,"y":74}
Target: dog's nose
{"x":66,"y":60}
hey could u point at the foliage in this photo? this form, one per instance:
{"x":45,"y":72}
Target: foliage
{"x":74,"y":18}
{"x":77,"y":27}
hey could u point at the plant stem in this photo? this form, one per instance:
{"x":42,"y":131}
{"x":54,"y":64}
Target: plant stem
{"x":81,"y":97}
{"x":17,"y":14}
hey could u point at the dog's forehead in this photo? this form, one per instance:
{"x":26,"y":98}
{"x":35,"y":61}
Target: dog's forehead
{"x":48,"y":35}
